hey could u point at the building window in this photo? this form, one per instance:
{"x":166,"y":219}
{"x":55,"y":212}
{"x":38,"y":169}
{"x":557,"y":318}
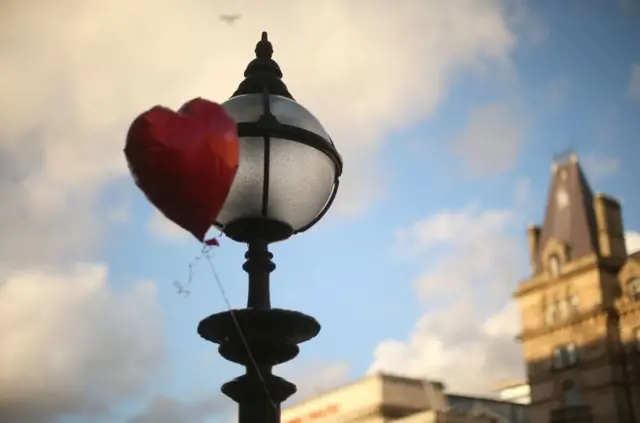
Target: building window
{"x":564,"y":356}
{"x":563,"y":309}
{"x":570,"y":394}
{"x":636,"y":338}
{"x":552,"y":313}
{"x":574,"y":304}
{"x":554,"y":265}
{"x":634,"y":289}
{"x":571,"y":354}
{"x":557,"y":358}
{"x":559,"y":310}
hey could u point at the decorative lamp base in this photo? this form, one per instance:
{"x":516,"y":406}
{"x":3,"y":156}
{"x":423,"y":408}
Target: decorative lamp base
{"x":259,"y":337}
{"x":272,"y":337}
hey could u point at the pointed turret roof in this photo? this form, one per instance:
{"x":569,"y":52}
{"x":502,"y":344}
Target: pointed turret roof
{"x":570,"y":215}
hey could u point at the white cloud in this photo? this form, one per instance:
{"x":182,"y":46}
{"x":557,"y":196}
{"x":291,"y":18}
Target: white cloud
{"x":119,"y":213}
{"x":31,"y":234}
{"x":475,"y":264}
{"x":70,"y":345}
{"x":493,"y":259}
{"x":598,"y":166}
{"x":164,"y":228}
{"x":492,"y":139}
{"x":634,"y":82}
{"x":80,"y":73}
{"x":632,"y":239}
{"x":453,"y":346}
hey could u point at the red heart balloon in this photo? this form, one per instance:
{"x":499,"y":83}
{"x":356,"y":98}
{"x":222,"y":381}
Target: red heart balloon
{"x":185,"y":162}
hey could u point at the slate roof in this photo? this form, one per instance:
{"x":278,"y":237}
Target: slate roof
{"x":570,"y":215}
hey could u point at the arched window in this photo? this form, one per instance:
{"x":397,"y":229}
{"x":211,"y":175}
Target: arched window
{"x":554,"y":265}
{"x":634,"y":289}
{"x":552,"y":312}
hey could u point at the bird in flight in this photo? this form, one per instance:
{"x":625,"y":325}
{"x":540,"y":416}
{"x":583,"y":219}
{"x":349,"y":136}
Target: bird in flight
{"x":230,"y":18}
{"x":181,"y":289}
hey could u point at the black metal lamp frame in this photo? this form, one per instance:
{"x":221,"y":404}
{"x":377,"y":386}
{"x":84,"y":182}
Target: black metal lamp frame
{"x":260,"y":337}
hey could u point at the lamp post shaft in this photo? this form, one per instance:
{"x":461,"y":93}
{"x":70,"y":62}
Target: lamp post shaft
{"x":258,"y":337}
{"x":258,"y":412}
{"x":259,"y":267}
{"x":261,"y":408}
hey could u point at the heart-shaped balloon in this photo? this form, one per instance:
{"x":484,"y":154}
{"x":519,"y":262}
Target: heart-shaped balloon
{"x":185,"y":161}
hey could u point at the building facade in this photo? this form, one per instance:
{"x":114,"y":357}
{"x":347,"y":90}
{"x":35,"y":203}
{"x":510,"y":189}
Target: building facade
{"x":384,"y":398}
{"x":580,"y":308}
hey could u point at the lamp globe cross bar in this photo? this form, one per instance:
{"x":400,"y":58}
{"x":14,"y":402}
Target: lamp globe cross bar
{"x":286,"y":181}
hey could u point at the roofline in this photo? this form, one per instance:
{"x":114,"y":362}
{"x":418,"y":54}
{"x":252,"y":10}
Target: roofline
{"x":331,"y":390}
{"x":485,"y":398}
{"x":510,"y":384}
{"x":381,"y":375}
{"x":607,"y":197}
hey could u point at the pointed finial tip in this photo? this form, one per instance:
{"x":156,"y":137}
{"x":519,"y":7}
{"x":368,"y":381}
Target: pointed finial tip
{"x":264,"y":50}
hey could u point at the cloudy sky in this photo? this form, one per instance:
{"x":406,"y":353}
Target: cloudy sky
{"x":447,"y":114}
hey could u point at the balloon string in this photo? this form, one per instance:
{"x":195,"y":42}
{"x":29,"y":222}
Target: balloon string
{"x":206,"y":252}
{"x":207,"y":247}
{"x":241,"y":335}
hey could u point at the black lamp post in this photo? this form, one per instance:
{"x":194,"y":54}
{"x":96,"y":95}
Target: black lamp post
{"x":286,"y":181}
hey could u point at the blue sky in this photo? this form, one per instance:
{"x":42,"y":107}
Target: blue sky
{"x":412,"y":270}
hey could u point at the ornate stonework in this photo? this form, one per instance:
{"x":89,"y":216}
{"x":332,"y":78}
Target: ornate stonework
{"x":580,"y":316}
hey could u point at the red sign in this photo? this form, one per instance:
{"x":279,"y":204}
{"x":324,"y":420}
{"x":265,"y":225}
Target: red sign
{"x":326,"y":411}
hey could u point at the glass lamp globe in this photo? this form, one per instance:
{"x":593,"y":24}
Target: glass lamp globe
{"x":288,"y":177}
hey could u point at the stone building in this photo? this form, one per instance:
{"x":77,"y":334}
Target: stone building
{"x":382,"y":398}
{"x":580,"y":308}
